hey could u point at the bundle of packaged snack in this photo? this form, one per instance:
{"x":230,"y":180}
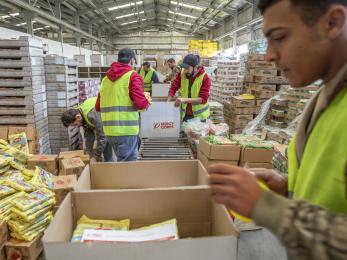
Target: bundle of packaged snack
{"x":249,"y":141}
{"x":26,"y":198}
{"x":95,"y":230}
{"x":212,"y":139}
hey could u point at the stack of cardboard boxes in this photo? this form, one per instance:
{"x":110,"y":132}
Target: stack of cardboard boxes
{"x":227,"y":82}
{"x":245,"y":151}
{"x":88,"y":87}
{"x":62,"y":93}
{"x":204,"y":48}
{"x":216,"y":112}
{"x":22,"y":87}
{"x":239,"y":113}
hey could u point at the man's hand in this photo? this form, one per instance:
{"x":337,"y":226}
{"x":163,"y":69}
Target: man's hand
{"x":273,"y":180}
{"x":169,"y":99}
{"x":234,"y":187}
{"x":178,"y":102}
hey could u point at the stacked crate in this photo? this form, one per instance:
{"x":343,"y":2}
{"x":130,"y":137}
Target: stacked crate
{"x":62,"y":93}
{"x":88,"y":88}
{"x":216,"y":112}
{"x":228,"y":82}
{"x":22,"y":87}
{"x":238,"y":113}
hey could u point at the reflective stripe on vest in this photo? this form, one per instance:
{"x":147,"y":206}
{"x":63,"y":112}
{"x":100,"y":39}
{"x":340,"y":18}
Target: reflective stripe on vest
{"x":147,"y":78}
{"x":118,"y":114}
{"x":202,"y":111}
{"x":87,"y":106}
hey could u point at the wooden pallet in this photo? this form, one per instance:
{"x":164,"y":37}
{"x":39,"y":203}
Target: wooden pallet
{"x":22,"y":119}
{"x":63,"y":103}
{"x":21,"y":91}
{"x":23,"y":101}
{"x":60,"y":60}
{"x":60,"y":69}
{"x":22,"y":81}
{"x":57,"y":78}
{"x":21,"y":62}
{"x":6,"y":52}
{"x":64,"y":95}
{"x":21,"y":72}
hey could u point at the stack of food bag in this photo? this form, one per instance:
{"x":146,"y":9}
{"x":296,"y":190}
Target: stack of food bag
{"x":26,"y":196}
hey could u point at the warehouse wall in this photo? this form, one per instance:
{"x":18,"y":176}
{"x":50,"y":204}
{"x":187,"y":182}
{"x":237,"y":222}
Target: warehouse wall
{"x":152,"y":42}
{"x":54,"y":47}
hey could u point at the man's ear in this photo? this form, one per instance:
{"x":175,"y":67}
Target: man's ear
{"x":335,"y":21}
{"x":78,"y":117}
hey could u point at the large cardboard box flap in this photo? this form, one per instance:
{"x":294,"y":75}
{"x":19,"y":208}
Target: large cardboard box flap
{"x":142,"y":175}
{"x":225,"y":152}
{"x":205,"y":228}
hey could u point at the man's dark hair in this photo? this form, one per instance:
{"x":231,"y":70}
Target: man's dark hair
{"x":69,"y":116}
{"x":146,"y":63}
{"x":171,"y":60}
{"x":125,"y":55}
{"x":311,"y":9}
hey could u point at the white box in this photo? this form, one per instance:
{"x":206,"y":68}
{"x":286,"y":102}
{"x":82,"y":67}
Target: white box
{"x":110,"y":58}
{"x":81,"y":59}
{"x":160,"y":90}
{"x":97,"y":60}
{"x":162,"y":119}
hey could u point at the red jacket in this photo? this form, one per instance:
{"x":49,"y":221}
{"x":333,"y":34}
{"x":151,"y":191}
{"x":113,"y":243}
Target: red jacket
{"x":135,"y":87}
{"x":204,"y":91}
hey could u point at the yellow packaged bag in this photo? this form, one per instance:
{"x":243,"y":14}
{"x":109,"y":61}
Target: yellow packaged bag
{"x":4,"y":161}
{"x":43,"y":178}
{"x":20,"y":185}
{"x":31,"y":200}
{"x":5,"y":191}
{"x":85,"y":223}
{"x":30,"y":218}
{"x":18,"y":155}
{"x":10,"y":199}
{"x":25,"y":227}
{"x":20,"y":142}
{"x":28,"y":236}
{"x":26,"y":214}
{"x":28,"y":174}
{"x":17,"y":165}
{"x":4,"y":169}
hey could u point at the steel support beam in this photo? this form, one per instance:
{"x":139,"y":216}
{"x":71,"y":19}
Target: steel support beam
{"x":51,"y":18}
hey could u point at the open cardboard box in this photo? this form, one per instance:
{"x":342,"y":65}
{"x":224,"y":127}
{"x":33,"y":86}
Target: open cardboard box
{"x":142,"y":175}
{"x":224,"y":152}
{"x":208,"y":162}
{"x":205,"y":228}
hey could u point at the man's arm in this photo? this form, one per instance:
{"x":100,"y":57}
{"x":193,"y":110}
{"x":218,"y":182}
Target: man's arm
{"x":175,"y":86}
{"x":97,"y":104}
{"x":89,"y":138}
{"x":136,"y":92}
{"x":95,"y":119}
{"x":303,"y":228}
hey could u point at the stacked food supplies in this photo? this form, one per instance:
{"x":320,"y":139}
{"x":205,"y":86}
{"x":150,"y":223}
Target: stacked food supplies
{"x":26,"y":198}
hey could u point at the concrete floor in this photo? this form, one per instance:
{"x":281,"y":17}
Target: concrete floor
{"x":260,"y":245}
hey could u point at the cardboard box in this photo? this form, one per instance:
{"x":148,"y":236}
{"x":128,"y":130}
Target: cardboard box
{"x":97,"y":60}
{"x":3,"y":133}
{"x":208,"y":162}
{"x":3,"y":233}
{"x":81,"y":59}
{"x":16,"y":249}
{"x":73,"y":154}
{"x":162,"y":119}
{"x":29,"y":132}
{"x":160,"y":90}
{"x":237,"y":118}
{"x":225,"y":152}
{"x":72,"y":166}
{"x":256,"y":155}
{"x":205,"y":228}
{"x":47,"y":162}
{"x":62,"y":186}
{"x":142,"y":175}
{"x":238,"y":101}
{"x":257,"y":165}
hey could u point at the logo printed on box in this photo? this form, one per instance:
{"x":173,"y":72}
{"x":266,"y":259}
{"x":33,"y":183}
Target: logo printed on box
{"x":163,"y":125}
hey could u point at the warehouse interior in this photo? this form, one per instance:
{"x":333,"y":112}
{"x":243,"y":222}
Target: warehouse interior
{"x":173,"y":129}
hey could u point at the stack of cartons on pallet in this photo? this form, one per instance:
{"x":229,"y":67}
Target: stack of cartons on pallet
{"x":88,"y":87}
{"x":216,"y":112}
{"x":262,"y":78}
{"x":239,"y":113}
{"x":228,"y":82}
{"x":62,"y":93}
{"x":22,"y":87}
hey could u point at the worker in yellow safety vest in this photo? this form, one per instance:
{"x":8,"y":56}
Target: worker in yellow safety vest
{"x":149,"y":76}
{"x":87,"y":117}
{"x":193,"y":85}
{"x":120,"y":99}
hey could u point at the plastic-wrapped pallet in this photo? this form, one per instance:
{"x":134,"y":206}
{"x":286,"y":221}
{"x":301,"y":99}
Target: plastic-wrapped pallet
{"x":62,"y":93}
{"x":88,"y":87}
{"x":22,"y":87}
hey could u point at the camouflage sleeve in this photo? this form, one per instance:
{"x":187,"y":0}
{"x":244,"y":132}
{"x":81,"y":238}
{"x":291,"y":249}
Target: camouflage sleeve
{"x":95,"y":119}
{"x":306,"y":230}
